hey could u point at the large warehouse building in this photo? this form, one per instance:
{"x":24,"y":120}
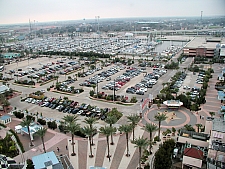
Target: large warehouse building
{"x":202,"y":46}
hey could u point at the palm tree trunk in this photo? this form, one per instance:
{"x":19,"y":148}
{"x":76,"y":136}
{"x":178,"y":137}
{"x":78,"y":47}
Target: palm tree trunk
{"x":159,"y":129}
{"x":127,"y":146}
{"x":73,"y":153}
{"x":90,"y":147}
{"x":92,"y":140}
{"x":150,"y":146}
{"x":107,"y":139}
{"x":139,"y":157}
{"x":31,"y":144}
{"x":112,"y":143}
{"x":133,"y":133}
{"x":43,"y":143}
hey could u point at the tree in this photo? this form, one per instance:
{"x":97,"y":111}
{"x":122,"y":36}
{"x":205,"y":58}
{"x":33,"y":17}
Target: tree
{"x":88,"y":131}
{"x":30,"y":164}
{"x":70,"y":118}
{"x":41,"y":133}
{"x":163,"y":155}
{"x":160,"y":117}
{"x":188,"y":127}
{"x":198,"y":126}
{"x":107,"y":131}
{"x":27,"y":123}
{"x":91,"y":121}
{"x":150,"y":128}
{"x":111,"y":120}
{"x":72,"y":128}
{"x":212,"y":114}
{"x":133,"y":119}
{"x":126,"y":128}
{"x":141,"y":143}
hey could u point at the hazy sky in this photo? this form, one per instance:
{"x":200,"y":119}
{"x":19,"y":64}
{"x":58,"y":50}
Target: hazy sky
{"x":20,"y":11}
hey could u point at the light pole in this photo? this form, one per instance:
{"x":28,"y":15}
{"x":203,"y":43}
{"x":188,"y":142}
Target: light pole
{"x":114,"y":92}
{"x":97,"y":88}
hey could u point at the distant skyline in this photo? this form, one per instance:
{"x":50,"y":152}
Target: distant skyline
{"x":20,"y":11}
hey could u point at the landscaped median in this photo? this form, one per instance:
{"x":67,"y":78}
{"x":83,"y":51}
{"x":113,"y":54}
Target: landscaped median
{"x":29,"y":86}
{"x":110,"y":101}
{"x":66,"y":93}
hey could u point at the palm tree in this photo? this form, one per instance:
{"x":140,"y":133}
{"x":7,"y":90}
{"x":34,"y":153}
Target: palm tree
{"x":73,"y":128}
{"x":87,"y":130}
{"x":70,"y":118}
{"x":198,"y":126}
{"x":140,"y":143}
{"x":126,"y":128}
{"x":160,"y":117}
{"x":134,"y":119}
{"x":91,"y":121}
{"x":212,"y":114}
{"x":111,"y":120}
{"x":41,"y":133}
{"x":150,"y":128}
{"x":27,"y":123}
{"x":107,"y":131}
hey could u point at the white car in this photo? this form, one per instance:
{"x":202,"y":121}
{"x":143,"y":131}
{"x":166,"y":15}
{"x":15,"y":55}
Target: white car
{"x":143,"y":89}
{"x":28,"y":99}
{"x":43,"y":91}
{"x":186,"y":87}
{"x":80,"y":112}
{"x":58,"y":107}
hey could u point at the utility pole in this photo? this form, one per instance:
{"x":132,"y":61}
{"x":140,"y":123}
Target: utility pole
{"x":201,"y":15}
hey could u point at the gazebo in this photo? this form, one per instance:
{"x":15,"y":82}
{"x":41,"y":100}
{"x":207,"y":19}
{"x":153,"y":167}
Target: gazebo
{"x":173,"y":104}
{"x":34,"y":127}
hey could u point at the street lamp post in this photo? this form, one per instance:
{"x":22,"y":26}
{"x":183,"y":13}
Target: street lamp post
{"x":97,"y":88}
{"x":114,"y":92}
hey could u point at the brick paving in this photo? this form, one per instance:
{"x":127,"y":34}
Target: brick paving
{"x":82,"y":153}
{"x":119,"y":153}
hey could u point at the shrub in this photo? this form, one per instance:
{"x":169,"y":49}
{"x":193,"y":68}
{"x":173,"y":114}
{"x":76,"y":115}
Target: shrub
{"x":30,"y":164}
{"x":17,"y":140}
{"x":156,"y":138}
{"x":92,"y":93}
{"x":41,"y":121}
{"x":62,"y":128}
{"x":133,"y":99}
{"x":52,"y":125}
{"x":29,"y":117}
{"x":18,"y":114}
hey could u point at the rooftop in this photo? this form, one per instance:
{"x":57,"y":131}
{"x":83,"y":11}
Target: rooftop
{"x":194,"y":153}
{"x":5,"y":117}
{"x":218,"y":125}
{"x":44,"y":160}
{"x":201,"y":42}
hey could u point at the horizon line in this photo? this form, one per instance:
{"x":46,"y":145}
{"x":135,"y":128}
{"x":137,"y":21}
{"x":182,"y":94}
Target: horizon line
{"x":90,"y":19}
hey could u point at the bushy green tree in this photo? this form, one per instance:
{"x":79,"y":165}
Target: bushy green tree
{"x":163,"y":156}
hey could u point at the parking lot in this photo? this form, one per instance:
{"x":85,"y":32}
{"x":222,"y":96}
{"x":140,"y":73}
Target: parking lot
{"x":125,"y":77}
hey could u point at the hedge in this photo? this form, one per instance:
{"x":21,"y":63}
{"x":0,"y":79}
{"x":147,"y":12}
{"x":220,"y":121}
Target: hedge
{"x":18,"y":140}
